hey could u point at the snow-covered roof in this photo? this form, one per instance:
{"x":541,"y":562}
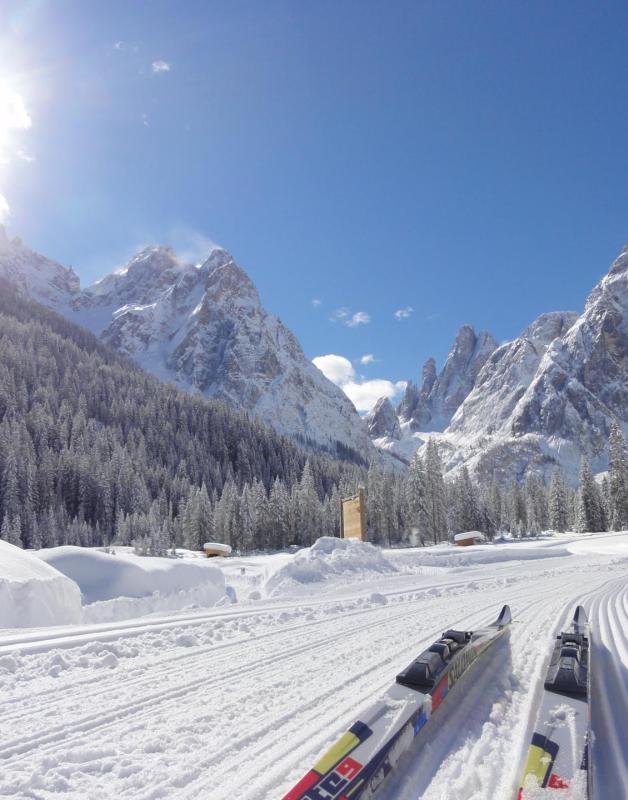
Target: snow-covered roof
{"x":459,"y":537}
{"x":218,"y":547}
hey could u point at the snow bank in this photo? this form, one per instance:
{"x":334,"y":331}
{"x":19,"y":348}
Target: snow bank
{"x":461,"y":557}
{"x":120,"y":586}
{"x":327,"y":558}
{"x":32,"y":593}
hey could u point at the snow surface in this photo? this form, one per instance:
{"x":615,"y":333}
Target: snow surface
{"x":120,"y":585}
{"x":32,"y":593}
{"x":241,"y":700}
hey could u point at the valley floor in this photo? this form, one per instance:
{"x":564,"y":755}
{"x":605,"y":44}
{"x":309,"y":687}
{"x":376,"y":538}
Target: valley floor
{"x":239,"y":701}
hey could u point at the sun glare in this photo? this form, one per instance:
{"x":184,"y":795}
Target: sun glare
{"x":14,"y":117}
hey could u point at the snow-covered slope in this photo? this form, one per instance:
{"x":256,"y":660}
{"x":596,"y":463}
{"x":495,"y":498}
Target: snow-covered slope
{"x":547,"y":398}
{"x":38,"y":277}
{"x":550,"y":397}
{"x":203,"y":328}
{"x":240,"y":701}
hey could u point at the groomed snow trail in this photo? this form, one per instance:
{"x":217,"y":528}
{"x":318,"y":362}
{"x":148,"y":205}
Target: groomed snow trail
{"x":240,"y":702}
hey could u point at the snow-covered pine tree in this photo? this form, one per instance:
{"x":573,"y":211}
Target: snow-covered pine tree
{"x":558,"y":503}
{"x":618,"y":478}
{"x":590,"y":509}
{"x":435,"y":494}
{"x":417,"y":501}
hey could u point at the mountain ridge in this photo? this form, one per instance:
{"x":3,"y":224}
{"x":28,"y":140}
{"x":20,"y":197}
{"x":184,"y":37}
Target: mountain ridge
{"x":204,"y":329}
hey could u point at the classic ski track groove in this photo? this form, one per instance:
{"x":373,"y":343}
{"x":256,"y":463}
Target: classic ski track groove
{"x":283,"y":717}
{"x":202,"y":787}
{"x":20,"y":746}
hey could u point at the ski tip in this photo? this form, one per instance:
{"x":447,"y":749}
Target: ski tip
{"x":504,"y":618}
{"x":580,"y":618}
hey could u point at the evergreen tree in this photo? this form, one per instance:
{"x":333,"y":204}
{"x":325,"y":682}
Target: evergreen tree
{"x":590,"y":511}
{"x":435,"y":494}
{"x":618,"y":478}
{"x":417,"y":502}
{"x":558,"y":503}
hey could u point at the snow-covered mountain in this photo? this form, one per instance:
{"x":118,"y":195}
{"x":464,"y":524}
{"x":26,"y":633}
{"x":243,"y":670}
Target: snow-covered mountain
{"x":431,"y":406}
{"x":204,"y":329}
{"x":36,"y":276}
{"x":547,"y":398}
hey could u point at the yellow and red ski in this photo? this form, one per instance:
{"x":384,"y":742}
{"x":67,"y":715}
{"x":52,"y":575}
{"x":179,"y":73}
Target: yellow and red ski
{"x":361,"y":760}
{"x":558,"y":756}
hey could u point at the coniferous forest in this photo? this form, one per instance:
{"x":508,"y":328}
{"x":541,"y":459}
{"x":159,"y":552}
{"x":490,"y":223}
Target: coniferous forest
{"x":95,"y":451}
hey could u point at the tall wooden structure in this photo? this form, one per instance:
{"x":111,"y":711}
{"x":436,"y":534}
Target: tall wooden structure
{"x":353,"y":517}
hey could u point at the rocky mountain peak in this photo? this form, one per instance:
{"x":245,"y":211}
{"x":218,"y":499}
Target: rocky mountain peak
{"x":226,"y":282}
{"x":428,"y":376}
{"x":432,"y":407}
{"x":382,"y":420}
{"x":39,"y":277}
{"x":204,"y":329}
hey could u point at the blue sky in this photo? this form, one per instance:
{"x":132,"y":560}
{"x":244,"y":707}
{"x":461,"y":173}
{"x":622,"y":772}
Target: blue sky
{"x":466,"y":161}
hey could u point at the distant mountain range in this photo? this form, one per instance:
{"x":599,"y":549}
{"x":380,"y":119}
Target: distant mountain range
{"x":204,"y":329}
{"x":547,"y":398}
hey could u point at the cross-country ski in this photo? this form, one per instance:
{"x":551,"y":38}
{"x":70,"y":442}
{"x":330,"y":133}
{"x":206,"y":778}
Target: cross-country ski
{"x":313,"y":400}
{"x":558,"y":756}
{"x":358,"y":764}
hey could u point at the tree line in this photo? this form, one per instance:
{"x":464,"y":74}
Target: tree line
{"x":95,"y":451}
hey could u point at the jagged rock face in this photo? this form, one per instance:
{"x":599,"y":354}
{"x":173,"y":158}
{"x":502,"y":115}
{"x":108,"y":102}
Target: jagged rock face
{"x":38,"y":277}
{"x":582,"y":384}
{"x":550,"y":396}
{"x":204,"y":329}
{"x":506,"y":375}
{"x":382,"y":420}
{"x":431,"y":407}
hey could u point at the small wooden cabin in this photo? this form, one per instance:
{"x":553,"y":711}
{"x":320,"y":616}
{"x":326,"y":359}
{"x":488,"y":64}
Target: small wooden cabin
{"x":213,"y":549}
{"x":468,"y":538}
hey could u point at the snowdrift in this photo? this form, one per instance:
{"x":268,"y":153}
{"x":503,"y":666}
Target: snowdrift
{"x":329,"y":557}
{"x":452,"y":558}
{"x":120,"y":586}
{"x":33,"y":593}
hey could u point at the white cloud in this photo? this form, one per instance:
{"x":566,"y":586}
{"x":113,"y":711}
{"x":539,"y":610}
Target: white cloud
{"x":369,"y":358}
{"x":338,"y":369}
{"x":118,"y":45}
{"x":359,"y":318}
{"x":145,"y":121}
{"x":160,"y":66}
{"x":403,"y":313}
{"x":340,"y":314}
{"x":316,"y":302}
{"x":192,"y":246}
{"x":362,"y":393}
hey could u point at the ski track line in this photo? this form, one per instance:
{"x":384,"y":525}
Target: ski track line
{"x":98,"y":720}
{"x":609,"y":691}
{"x":268,"y":785}
{"x":227,"y":767}
{"x":458,"y":756}
{"x":162,"y":661}
{"x":221,"y":765}
{"x":306,"y":716}
{"x":419,"y":611}
{"x":241,"y":643}
{"x":19,"y":747}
